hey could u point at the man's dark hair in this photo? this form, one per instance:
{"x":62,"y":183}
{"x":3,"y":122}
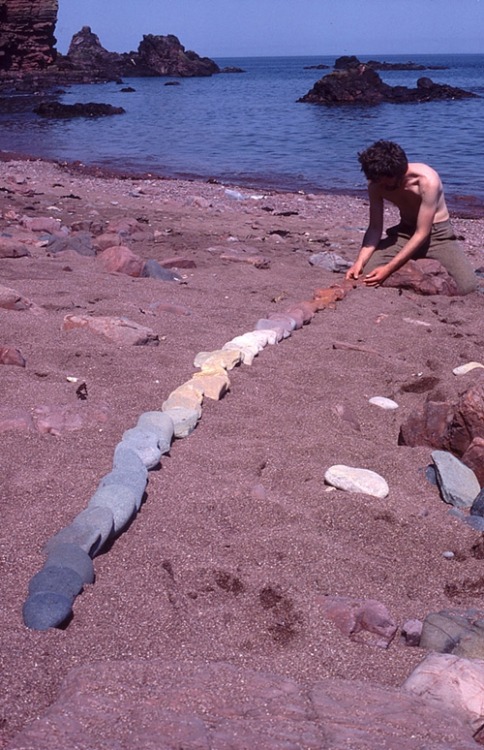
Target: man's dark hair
{"x":383,"y":159}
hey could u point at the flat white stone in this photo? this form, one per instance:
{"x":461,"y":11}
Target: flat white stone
{"x":353,"y":479}
{"x":383,"y":403}
{"x":462,"y":369}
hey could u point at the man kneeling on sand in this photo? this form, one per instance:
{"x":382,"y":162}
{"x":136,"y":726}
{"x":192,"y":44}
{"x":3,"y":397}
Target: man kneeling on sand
{"x":424,"y":230}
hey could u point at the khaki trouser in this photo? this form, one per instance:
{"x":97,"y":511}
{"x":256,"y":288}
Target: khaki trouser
{"x":442,"y":245}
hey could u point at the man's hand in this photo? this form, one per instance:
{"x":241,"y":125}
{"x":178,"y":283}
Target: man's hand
{"x":377,"y":276}
{"x":355,"y":271}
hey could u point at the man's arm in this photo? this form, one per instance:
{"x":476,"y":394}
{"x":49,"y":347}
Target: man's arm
{"x":372,"y":235}
{"x":430,"y":193}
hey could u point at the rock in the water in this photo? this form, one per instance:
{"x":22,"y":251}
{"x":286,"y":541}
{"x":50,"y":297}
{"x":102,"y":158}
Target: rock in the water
{"x":353,"y":479}
{"x":457,"y":483}
{"x":79,"y":109}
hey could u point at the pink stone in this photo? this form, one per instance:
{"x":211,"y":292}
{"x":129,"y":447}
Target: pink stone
{"x":120,"y":330}
{"x":12,"y":300}
{"x":167,"y":307}
{"x":11,"y":356}
{"x":120,"y":259}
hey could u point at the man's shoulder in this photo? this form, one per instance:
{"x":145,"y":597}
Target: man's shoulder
{"x":423,"y":172}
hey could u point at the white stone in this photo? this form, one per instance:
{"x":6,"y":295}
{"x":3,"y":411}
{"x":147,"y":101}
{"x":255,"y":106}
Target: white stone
{"x":462,"y":369}
{"x":247,"y":353}
{"x":451,"y":683}
{"x":250,"y":341}
{"x":383,"y":403}
{"x":353,"y":479}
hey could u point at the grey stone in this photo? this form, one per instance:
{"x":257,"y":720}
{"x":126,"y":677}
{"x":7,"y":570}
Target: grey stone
{"x":134,"y":480}
{"x":330,"y":262}
{"x":58,"y":580}
{"x":287,"y":321}
{"x":90,"y":530}
{"x":127,"y":459}
{"x":121,"y":501}
{"x":145,"y":444}
{"x":476,"y":522}
{"x":153,"y":270}
{"x":457,"y":483}
{"x":162,"y":425}
{"x":46,"y":609}
{"x":477,"y":508}
{"x":264,"y":324}
{"x":71,"y":556}
{"x":431,"y":475}
{"x":454,"y":632}
{"x":184,"y":420}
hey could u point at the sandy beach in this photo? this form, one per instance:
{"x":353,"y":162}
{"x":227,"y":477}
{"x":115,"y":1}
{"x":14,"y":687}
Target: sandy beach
{"x":240,"y":507}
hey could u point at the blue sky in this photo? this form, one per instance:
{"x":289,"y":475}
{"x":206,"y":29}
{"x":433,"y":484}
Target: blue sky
{"x":232,"y":28}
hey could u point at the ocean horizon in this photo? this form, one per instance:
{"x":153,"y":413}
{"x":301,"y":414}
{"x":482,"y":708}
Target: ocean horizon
{"x":249,"y":129}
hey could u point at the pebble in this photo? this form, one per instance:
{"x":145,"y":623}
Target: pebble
{"x":58,"y":580}
{"x":462,"y":369}
{"x":353,"y":479}
{"x":120,"y":500}
{"x":477,"y":508}
{"x":383,"y":403}
{"x":71,"y":556}
{"x":184,"y":420}
{"x":145,"y":444}
{"x":457,"y":483}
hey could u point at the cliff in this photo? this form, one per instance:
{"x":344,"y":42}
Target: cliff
{"x":27,"y":41}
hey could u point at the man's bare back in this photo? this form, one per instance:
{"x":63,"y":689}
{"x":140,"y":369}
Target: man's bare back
{"x":419,"y":179}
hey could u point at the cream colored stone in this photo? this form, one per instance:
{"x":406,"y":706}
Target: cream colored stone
{"x":353,"y":479}
{"x":215,"y":382}
{"x":227,"y":359}
{"x":462,"y":369}
{"x":246,"y":353}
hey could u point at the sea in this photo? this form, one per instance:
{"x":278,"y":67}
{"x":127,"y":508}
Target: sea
{"x":248,"y":128}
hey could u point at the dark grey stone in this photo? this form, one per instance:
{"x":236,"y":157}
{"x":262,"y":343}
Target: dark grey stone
{"x":477,"y":508}
{"x":72,"y":556}
{"x":46,"y":609}
{"x":476,"y":522}
{"x":90,"y":530}
{"x":153,"y":270}
{"x":431,"y":475}
{"x":58,"y":580}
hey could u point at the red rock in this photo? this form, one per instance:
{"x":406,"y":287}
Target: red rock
{"x":12,"y":300}
{"x":56,"y":419}
{"x":124,"y":226}
{"x":121,"y":259}
{"x":195,"y":705}
{"x":352,"y":616}
{"x":107,"y":239}
{"x":468,"y":421}
{"x":11,"y":356}
{"x":41,"y":224}
{"x":15,"y":420}
{"x":429,"y":426}
{"x":327,"y":297}
{"x":423,"y":276}
{"x":297,"y":314}
{"x":120,"y":330}
{"x":10,"y":248}
{"x":474,"y":458}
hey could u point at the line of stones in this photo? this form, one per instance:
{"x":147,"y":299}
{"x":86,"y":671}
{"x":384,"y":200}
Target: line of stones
{"x":119,"y":495}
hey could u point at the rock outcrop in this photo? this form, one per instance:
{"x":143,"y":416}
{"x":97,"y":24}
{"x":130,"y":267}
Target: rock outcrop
{"x":27,"y":41}
{"x":29,"y":60}
{"x":351,"y":61}
{"x":360,"y":84}
{"x":156,"y":56}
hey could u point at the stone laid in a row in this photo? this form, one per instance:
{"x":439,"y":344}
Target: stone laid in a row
{"x":120,"y":493}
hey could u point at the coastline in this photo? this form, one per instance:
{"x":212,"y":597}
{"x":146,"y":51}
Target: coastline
{"x":465,"y":206}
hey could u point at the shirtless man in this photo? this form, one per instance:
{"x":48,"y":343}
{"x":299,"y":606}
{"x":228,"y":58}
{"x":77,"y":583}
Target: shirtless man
{"x":424,"y":230}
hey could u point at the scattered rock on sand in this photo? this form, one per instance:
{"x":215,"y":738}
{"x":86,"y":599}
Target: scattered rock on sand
{"x":457,"y":483}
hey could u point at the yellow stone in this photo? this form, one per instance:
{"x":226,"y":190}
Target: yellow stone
{"x":215,"y":382}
